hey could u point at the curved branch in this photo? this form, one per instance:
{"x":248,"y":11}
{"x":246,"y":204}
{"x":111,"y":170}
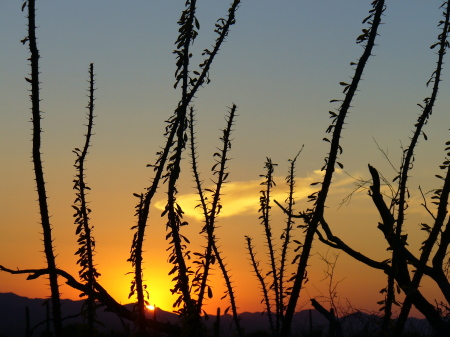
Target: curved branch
{"x":337,"y":243}
{"x":101,"y":295}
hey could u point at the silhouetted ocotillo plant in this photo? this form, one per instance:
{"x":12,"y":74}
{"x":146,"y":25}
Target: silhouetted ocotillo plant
{"x":313,"y":216}
{"x":262,"y":283}
{"x":287,"y":236}
{"x":167,"y":166}
{"x":219,"y":170}
{"x":265,"y":207}
{"x":192,"y":286}
{"x":207,"y":259}
{"x":177,"y":249}
{"x":402,"y":276}
{"x":393,"y":219}
{"x":211,"y":210}
{"x":229,"y":290}
{"x":407,"y":165}
{"x":137,"y":285}
{"x":86,"y":242}
{"x":37,"y":164}
{"x":276,"y":263}
{"x":394,"y":232}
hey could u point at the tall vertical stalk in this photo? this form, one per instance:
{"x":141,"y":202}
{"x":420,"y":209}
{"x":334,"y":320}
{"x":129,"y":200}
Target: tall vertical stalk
{"x":38,"y":169}
{"x":229,"y":291}
{"x":276,"y":264}
{"x":286,"y":236}
{"x":262,"y":283}
{"x":200,"y":279}
{"x":313,"y":217}
{"x":265,"y":208}
{"x":188,"y":25}
{"x":88,"y":271}
{"x":211,"y":211}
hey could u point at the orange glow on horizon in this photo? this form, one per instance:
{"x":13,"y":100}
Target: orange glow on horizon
{"x":151,"y":307}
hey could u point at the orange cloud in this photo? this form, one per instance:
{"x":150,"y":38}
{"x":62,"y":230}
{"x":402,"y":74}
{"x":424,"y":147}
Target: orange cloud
{"x":242,"y":197}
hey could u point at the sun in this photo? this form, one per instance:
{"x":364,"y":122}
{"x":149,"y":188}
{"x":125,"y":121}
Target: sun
{"x":150,"y":307}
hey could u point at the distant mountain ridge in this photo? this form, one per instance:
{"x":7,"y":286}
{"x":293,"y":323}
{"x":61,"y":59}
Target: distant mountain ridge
{"x":12,"y":319}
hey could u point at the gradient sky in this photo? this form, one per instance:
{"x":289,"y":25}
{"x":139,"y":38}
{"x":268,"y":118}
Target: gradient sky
{"x":281,"y":65}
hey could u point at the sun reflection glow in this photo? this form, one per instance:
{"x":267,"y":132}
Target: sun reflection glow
{"x":150,"y":307}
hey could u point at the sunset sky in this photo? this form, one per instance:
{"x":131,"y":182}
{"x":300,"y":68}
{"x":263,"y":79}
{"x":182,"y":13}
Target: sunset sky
{"x":281,"y":65}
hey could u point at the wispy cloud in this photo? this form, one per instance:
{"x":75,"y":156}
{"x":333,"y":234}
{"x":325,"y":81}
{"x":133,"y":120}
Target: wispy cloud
{"x":242,"y":197}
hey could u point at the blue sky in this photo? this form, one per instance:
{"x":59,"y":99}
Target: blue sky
{"x":282,"y":59}
{"x":281,"y":65}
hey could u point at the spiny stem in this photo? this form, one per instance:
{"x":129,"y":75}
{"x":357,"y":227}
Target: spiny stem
{"x":265,"y":221}
{"x":317,"y":214}
{"x":290,"y":179}
{"x":262,"y":283}
{"x":88,"y":271}
{"x":38,"y":169}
